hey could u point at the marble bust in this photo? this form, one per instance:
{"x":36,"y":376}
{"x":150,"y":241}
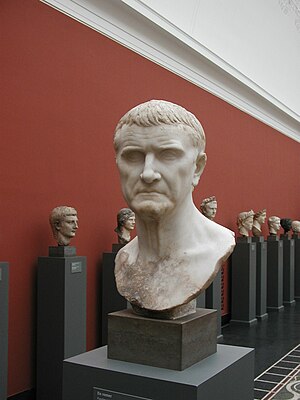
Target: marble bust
{"x":274,"y":225}
{"x":296,"y":227}
{"x":125,"y":224}
{"x":177,"y":251}
{"x":208,"y":207}
{"x":286,"y":224}
{"x":64,"y":223}
{"x":245,"y":222}
{"x":258,"y":220}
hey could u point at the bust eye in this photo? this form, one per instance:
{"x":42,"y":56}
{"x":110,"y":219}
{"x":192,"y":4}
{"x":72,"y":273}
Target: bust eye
{"x":133,"y":156}
{"x":169,"y":154}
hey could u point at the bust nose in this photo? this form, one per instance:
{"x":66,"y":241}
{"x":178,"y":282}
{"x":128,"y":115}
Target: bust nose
{"x":149,"y":173}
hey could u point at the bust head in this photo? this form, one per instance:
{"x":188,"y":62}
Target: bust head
{"x":208,"y":207}
{"x":64,"y":223}
{"x":245,"y":222}
{"x":125,"y":224}
{"x":160,"y":156}
{"x":274,"y":225}
{"x":286,"y":224}
{"x":258,"y":220}
{"x":296,"y":227}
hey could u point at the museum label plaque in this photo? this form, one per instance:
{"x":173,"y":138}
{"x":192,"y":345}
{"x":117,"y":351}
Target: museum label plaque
{"x":104,"y":394}
{"x":76,"y":267}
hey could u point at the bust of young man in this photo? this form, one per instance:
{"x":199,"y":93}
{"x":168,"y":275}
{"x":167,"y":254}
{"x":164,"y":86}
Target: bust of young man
{"x":274,"y":225}
{"x":209,"y":207}
{"x":245,"y":222}
{"x":64,"y":224}
{"x":177,"y":252}
{"x":125,"y":224}
{"x":258,"y":220}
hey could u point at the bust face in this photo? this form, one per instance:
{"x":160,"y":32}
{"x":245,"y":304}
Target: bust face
{"x":248,"y":223}
{"x":261,"y":218}
{"x":296,"y":226}
{"x":129,"y":223}
{"x":275,"y":225}
{"x":157,"y":166}
{"x":67,"y":226}
{"x":210,"y":209}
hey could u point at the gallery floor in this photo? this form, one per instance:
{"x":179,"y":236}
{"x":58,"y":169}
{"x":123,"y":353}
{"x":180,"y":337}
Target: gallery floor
{"x":271,"y":338}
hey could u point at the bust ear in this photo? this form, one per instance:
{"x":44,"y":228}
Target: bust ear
{"x":200,"y":164}
{"x":57,"y":225}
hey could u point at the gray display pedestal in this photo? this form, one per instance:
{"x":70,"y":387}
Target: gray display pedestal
{"x":261,"y":277}
{"x":213,"y":301}
{"x":61,"y":317}
{"x":243,"y":304}
{"x":225,"y":375}
{"x":274,"y":274}
{"x":4,"y":284}
{"x":111,"y":299}
{"x":288,"y":270}
{"x":297,"y":265}
{"x":200,"y":301}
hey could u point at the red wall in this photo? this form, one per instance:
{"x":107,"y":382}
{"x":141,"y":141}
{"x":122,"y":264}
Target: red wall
{"x":63,"y":89}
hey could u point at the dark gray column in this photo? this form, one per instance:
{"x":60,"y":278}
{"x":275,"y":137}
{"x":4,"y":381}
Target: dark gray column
{"x":4,"y":283}
{"x":261,"y":277}
{"x":243,"y":304}
{"x":297,"y":266}
{"x":201,"y":300}
{"x":213,"y":301}
{"x":274,"y":274}
{"x":111,"y":299}
{"x":61,"y":319}
{"x":288,"y":270}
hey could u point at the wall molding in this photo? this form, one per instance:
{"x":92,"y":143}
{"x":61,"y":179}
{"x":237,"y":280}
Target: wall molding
{"x":156,"y":39}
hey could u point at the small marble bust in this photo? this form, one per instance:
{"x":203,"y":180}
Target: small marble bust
{"x":177,"y":251}
{"x":208,"y":207}
{"x":286,"y":224}
{"x":296,"y":227}
{"x":64,"y":224}
{"x":126,"y":222}
{"x":274,"y":225}
{"x":245,"y":222}
{"x":258,"y":220}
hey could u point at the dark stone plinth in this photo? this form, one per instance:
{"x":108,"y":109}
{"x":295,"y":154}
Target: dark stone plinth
{"x":116,"y":247}
{"x":226,"y":375}
{"x":261,"y":277}
{"x":213,"y":301}
{"x":274,"y":273}
{"x":200,"y":301}
{"x":288,"y":270}
{"x":297,"y":266}
{"x":62,"y":251}
{"x":61,"y":320}
{"x":244,"y":239}
{"x":111,"y":298}
{"x":173,"y":344}
{"x":4,"y":285}
{"x":243,"y":265}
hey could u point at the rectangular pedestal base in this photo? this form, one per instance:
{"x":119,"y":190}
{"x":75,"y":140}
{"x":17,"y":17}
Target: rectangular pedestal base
{"x":174,"y":344}
{"x":226,"y":375}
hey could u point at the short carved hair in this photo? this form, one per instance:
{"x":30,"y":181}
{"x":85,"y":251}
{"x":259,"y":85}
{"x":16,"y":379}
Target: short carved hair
{"x":272,"y":220}
{"x":158,"y":112}
{"x":243,"y":216}
{"x":259,"y":213}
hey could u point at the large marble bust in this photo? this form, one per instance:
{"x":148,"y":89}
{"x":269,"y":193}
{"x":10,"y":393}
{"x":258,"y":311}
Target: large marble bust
{"x":178,"y":251}
{"x":258,"y":220}
{"x":245,"y":222}
{"x":274,"y":225}
{"x":209,"y":207}
{"x":64,"y":223}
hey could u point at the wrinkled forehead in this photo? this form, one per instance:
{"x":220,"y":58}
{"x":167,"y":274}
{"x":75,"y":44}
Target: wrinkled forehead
{"x":212,"y":204}
{"x":159,"y":133}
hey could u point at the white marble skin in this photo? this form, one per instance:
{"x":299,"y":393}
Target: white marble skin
{"x":64,"y":224}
